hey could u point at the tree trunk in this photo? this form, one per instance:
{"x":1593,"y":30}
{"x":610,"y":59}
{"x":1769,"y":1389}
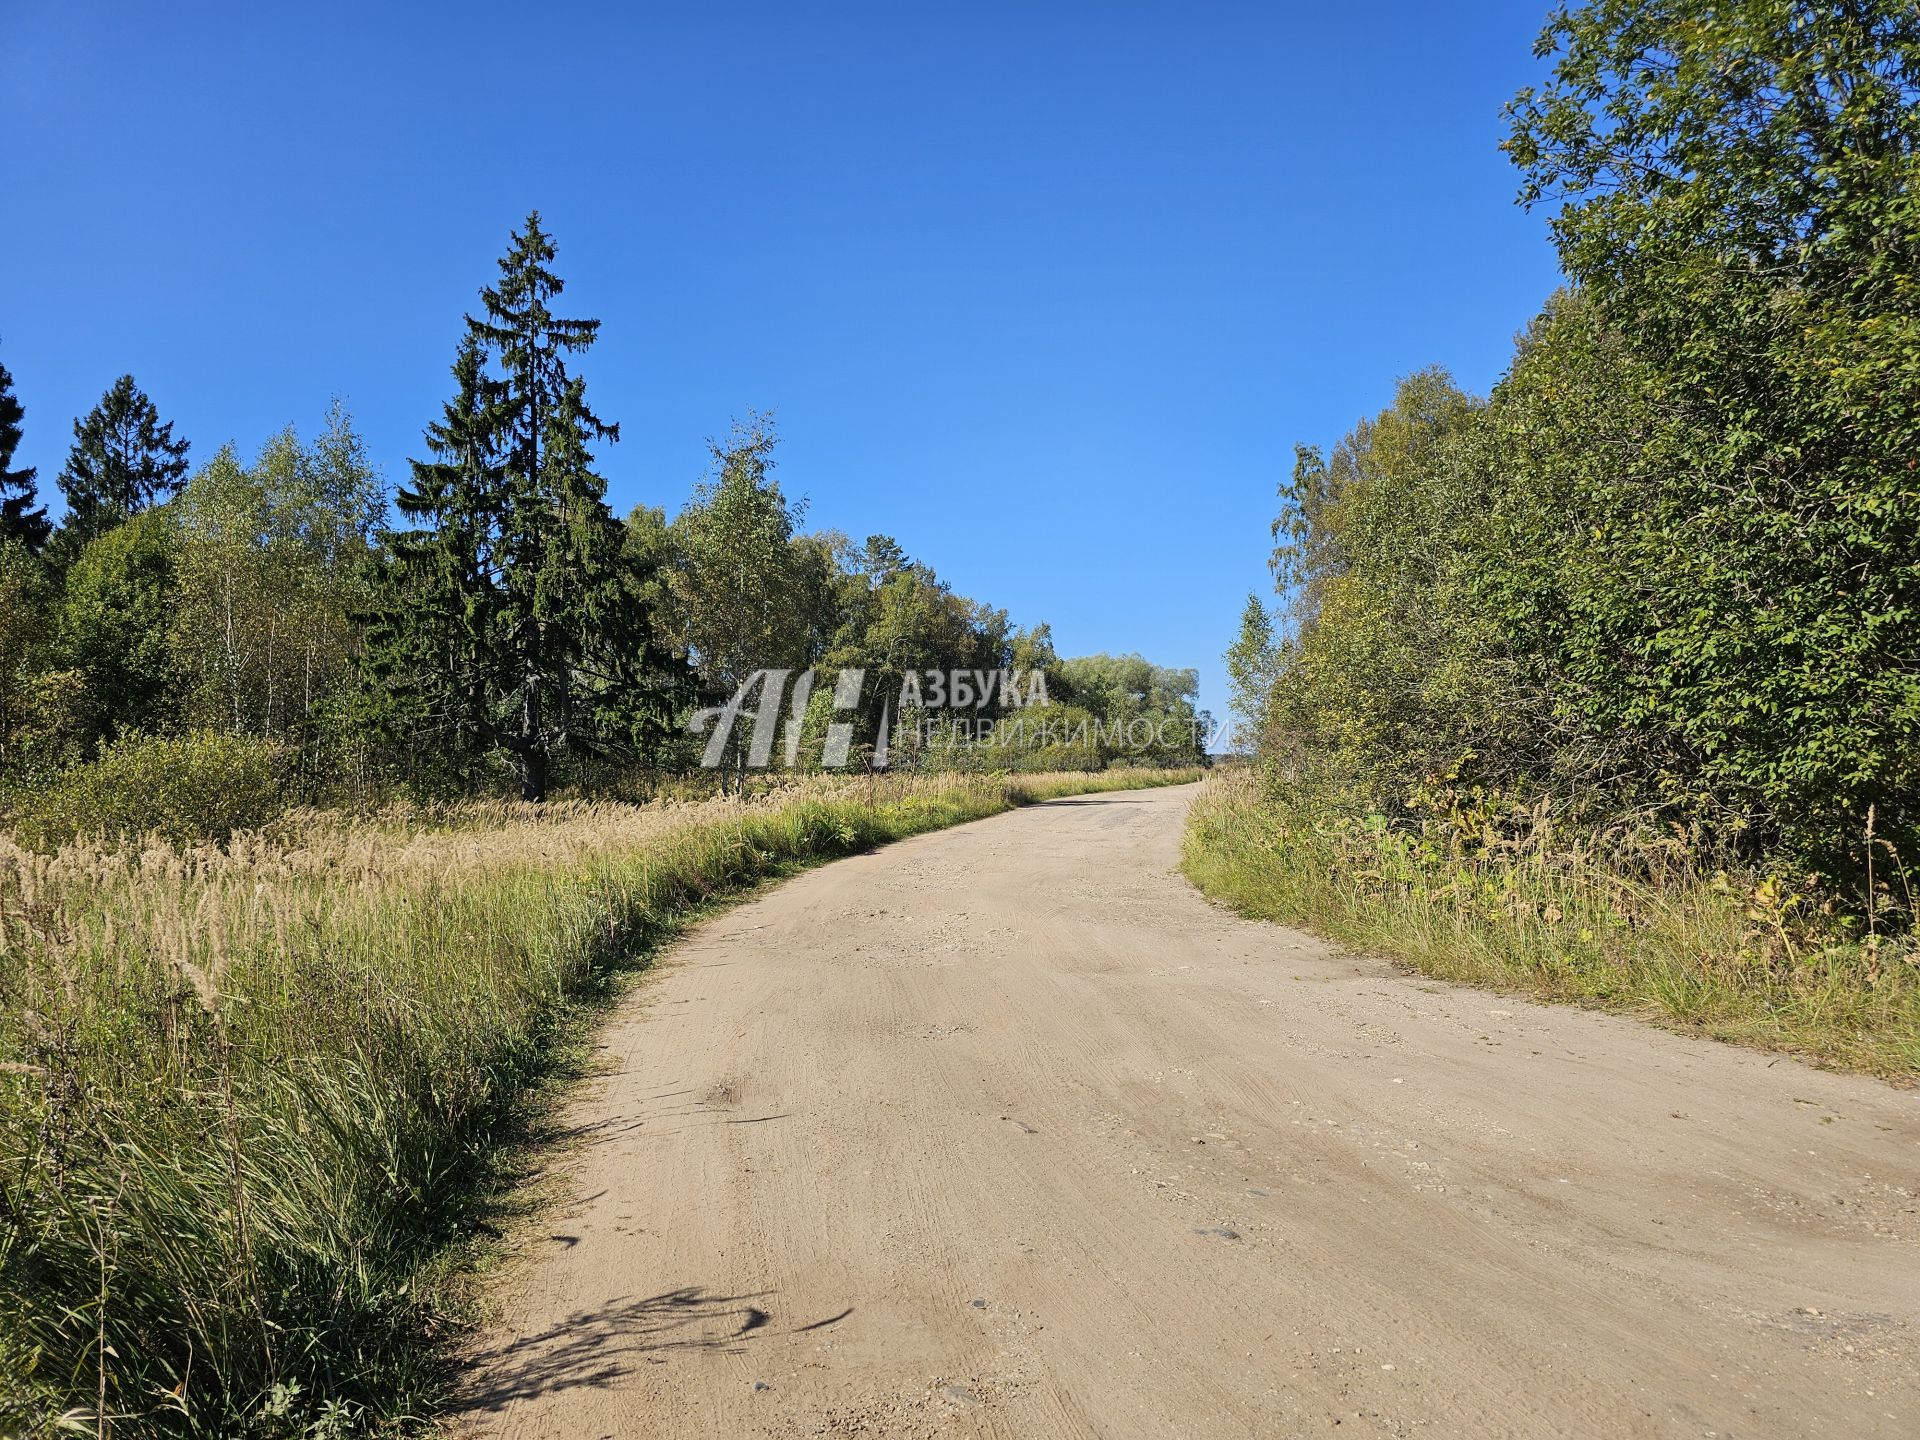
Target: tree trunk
{"x":533,"y":759}
{"x":533,"y":776}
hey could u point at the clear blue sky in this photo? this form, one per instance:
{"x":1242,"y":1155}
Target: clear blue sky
{"x":1045,"y":290}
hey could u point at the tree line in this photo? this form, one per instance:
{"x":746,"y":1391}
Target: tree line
{"x":496,"y":626}
{"x":1666,"y":576}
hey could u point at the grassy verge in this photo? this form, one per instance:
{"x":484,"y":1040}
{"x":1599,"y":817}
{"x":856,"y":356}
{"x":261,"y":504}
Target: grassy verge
{"x":247,"y":1094}
{"x":1727,"y":956}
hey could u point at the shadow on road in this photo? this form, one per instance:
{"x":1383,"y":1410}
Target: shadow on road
{"x":592,"y":1349}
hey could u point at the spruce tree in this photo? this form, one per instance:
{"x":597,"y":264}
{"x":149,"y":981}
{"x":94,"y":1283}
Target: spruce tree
{"x":20,"y":518}
{"x":123,"y":460}
{"x":430,"y":666}
{"x":512,"y":616}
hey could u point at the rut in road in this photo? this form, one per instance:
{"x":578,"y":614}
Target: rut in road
{"x":1004,"y":1131}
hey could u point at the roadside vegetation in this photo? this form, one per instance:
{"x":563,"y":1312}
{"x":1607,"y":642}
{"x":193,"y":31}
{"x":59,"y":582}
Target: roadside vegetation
{"x":252,"y":1091}
{"x":1607,"y":685}
{"x":1632,"y":921}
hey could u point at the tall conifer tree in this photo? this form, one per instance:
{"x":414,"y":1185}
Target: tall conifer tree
{"x":123,"y":460}
{"x":513,"y":618}
{"x":20,"y":518}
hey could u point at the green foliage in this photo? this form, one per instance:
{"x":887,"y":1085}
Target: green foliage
{"x":1669,"y":572}
{"x":1253,"y":670}
{"x":1379,"y":681}
{"x":20,"y":518}
{"x":743,"y":591}
{"x":116,"y":621}
{"x":200,"y":786}
{"x":123,"y":461}
{"x":513,"y":617}
{"x":228,"y":608}
{"x":1123,"y":686}
{"x":1609,"y":688}
{"x":26,"y":615}
{"x":1740,"y":204}
{"x":1758,"y":151}
{"x":1145,"y":714}
{"x":746,"y":592}
{"x":735,"y":568}
{"x":271,"y":565}
{"x":1054,"y":737}
{"x":909,"y":622}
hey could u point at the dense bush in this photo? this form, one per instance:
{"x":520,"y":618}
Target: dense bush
{"x":201,"y":786}
{"x":117,"y":603}
{"x":1668,"y":573}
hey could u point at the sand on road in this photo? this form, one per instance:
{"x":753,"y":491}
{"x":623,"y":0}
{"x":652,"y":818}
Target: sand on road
{"x":1004,"y":1131}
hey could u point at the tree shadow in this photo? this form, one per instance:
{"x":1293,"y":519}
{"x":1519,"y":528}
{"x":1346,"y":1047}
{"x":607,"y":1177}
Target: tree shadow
{"x":593,"y":1349}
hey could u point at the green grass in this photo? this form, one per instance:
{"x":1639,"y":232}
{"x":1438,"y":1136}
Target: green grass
{"x":252,"y":1098}
{"x":1737,"y":958}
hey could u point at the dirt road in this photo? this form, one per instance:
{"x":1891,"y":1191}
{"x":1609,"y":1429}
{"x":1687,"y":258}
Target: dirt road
{"x":1005,"y":1132}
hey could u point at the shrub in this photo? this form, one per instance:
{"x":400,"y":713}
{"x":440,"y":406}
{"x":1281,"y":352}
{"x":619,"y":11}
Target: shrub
{"x":197,"y":787}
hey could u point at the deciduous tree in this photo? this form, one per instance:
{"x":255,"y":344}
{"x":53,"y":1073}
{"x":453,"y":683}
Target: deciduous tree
{"x":1738,"y":192}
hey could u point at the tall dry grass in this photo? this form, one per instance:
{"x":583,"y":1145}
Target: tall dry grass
{"x":1633,"y":923}
{"x":246,"y":1094}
